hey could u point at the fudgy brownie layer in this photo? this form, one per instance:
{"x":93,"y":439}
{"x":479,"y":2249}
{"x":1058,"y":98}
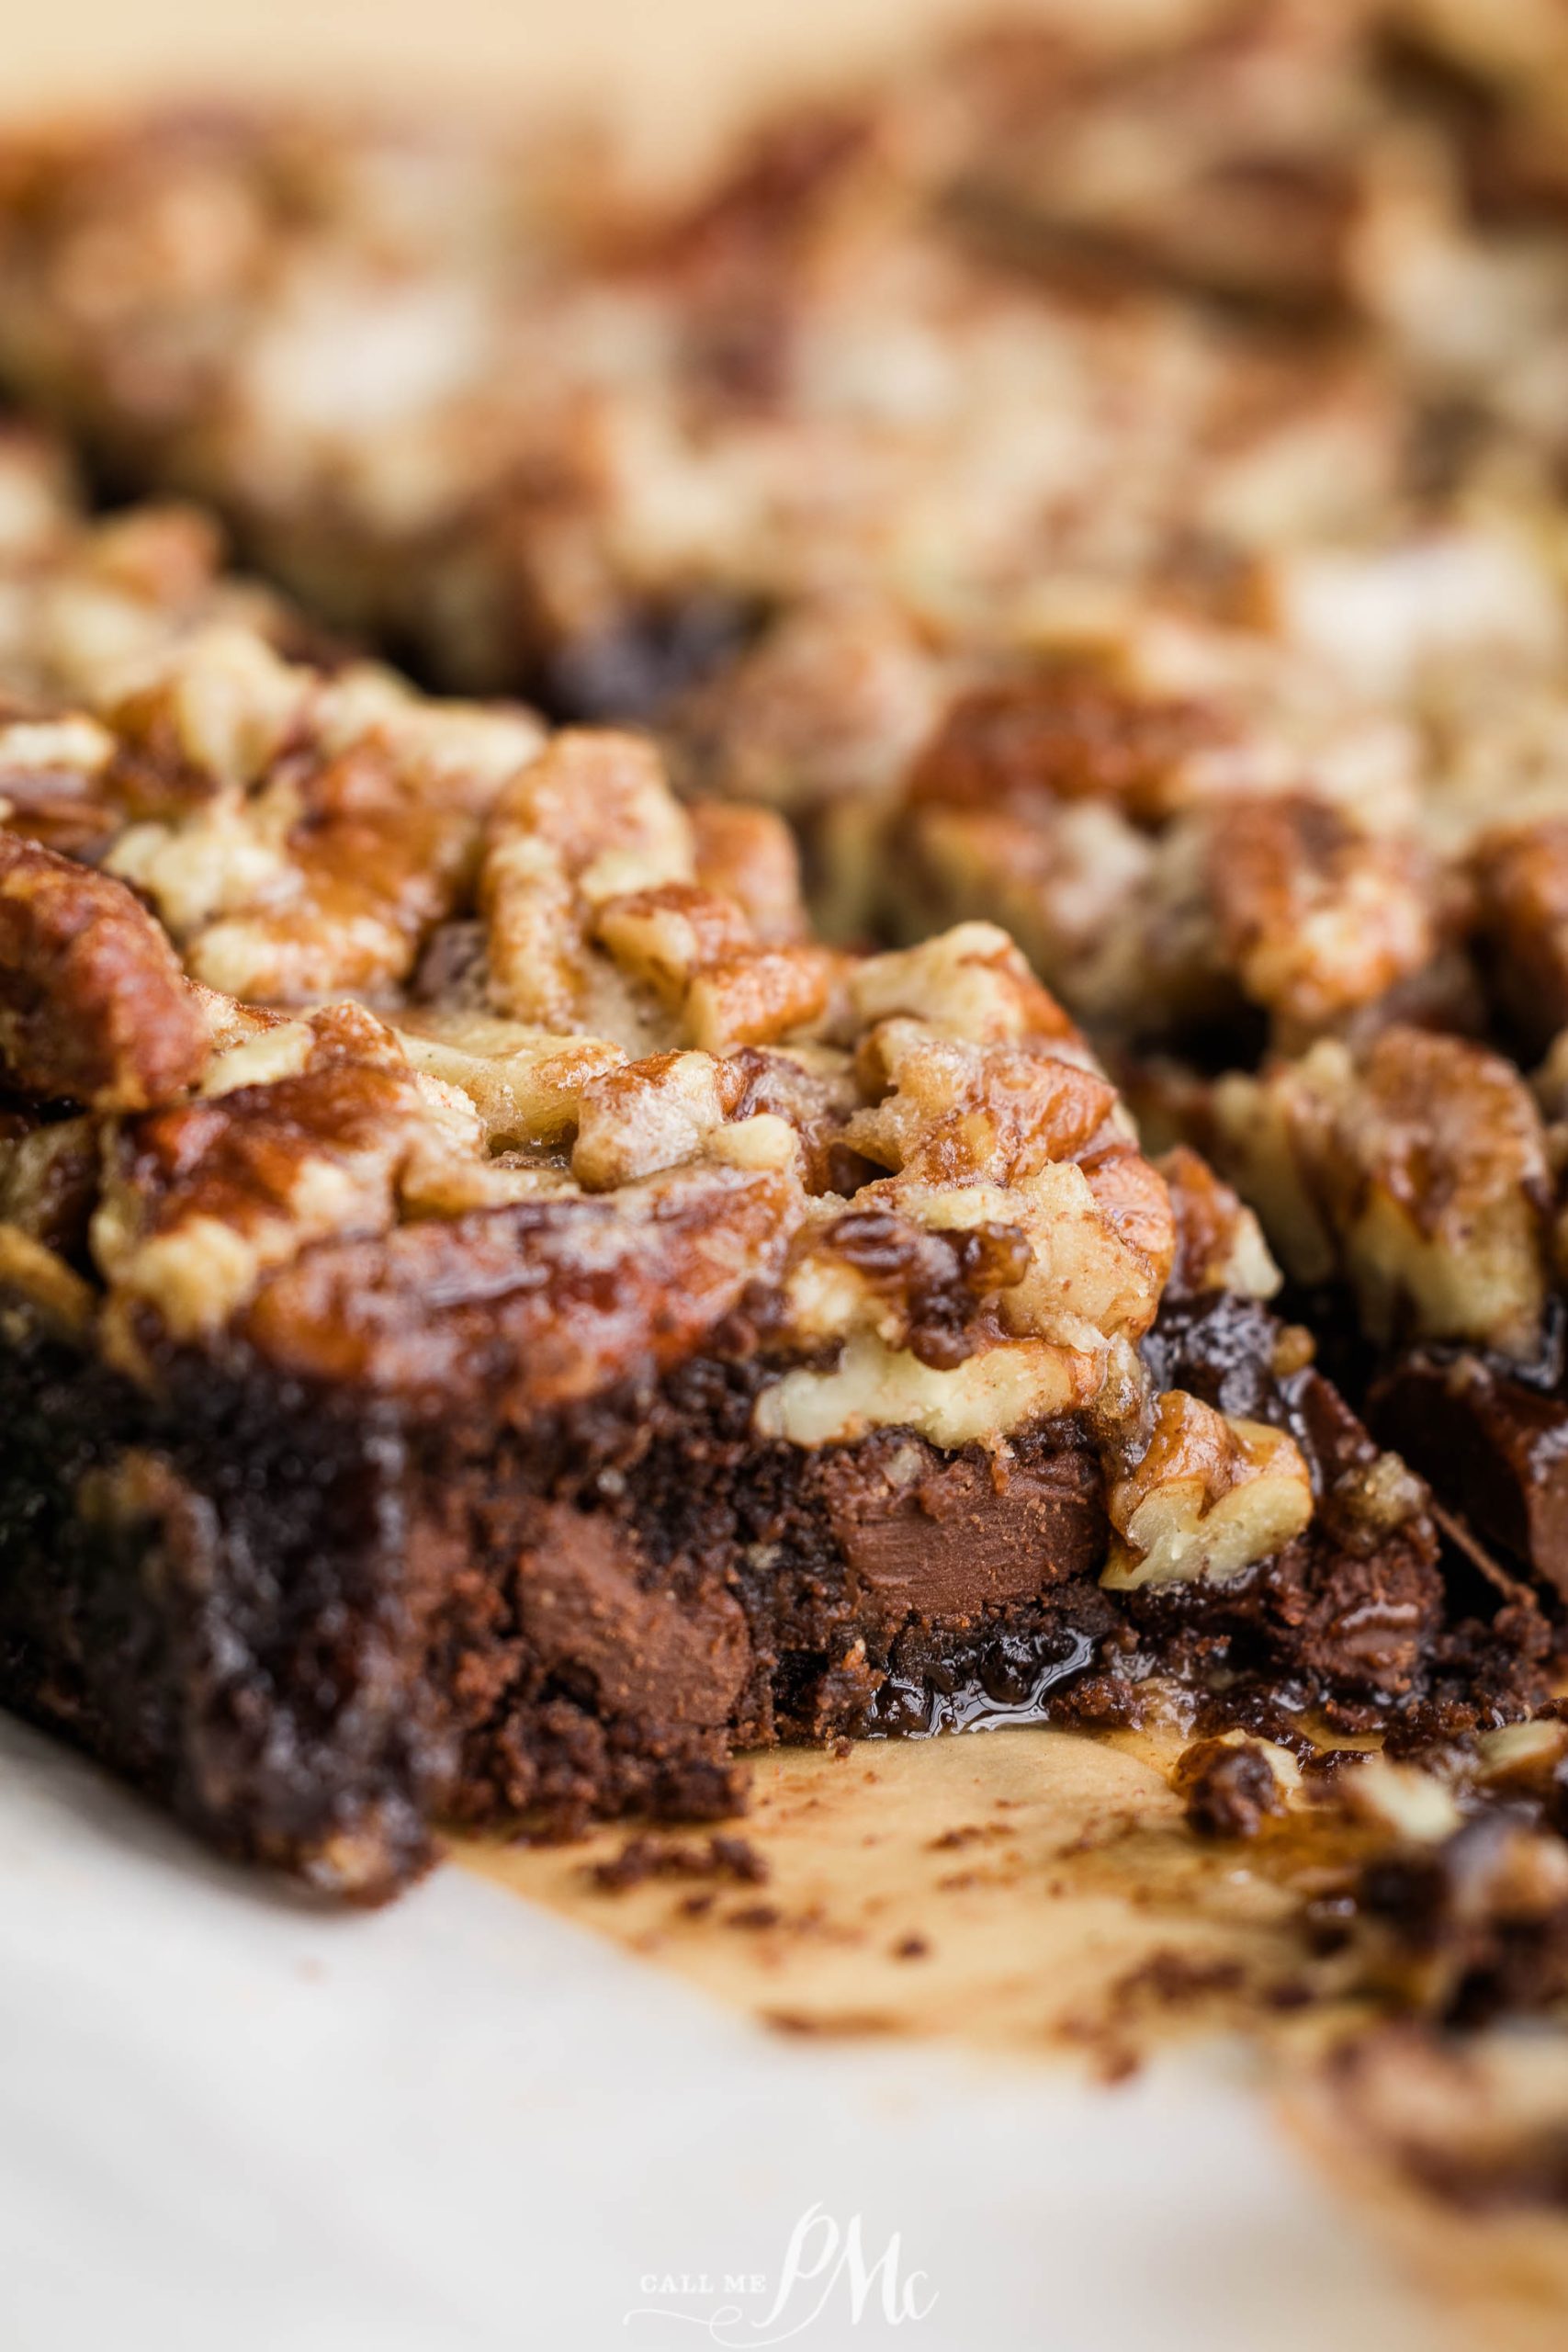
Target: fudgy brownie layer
{"x":316,"y":1627}
{"x":313,"y":1629}
{"x":210,"y":1598}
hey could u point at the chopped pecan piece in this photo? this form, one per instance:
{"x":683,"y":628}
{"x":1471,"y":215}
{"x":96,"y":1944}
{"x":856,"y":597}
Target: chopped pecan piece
{"x":1067,"y":734}
{"x":1210,"y":1496}
{"x":591,"y":821}
{"x":94,"y":1007}
{"x":1230,"y":1785}
{"x":1219,"y":1244}
{"x":666,"y":936}
{"x":1315,"y":916}
{"x":529,"y":1306}
{"x":652,"y":1114}
{"x":1416,"y":1169}
{"x":970,"y":982}
{"x":749,"y":855}
{"x":298,"y":835}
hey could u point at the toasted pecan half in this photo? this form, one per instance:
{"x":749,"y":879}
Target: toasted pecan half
{"x":94,"y":1006}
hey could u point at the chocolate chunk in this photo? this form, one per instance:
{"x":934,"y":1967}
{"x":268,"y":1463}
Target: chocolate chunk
{"x":950,"y":1537}
{"x":1495,"y":1445}
{"x":581,"y":1606}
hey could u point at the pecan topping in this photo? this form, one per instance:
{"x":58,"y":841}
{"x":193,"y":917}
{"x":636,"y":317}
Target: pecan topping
{"x":94,"y":1006}
{"x":540,"y":1303}
{"x":1219,"y":1244}
{"x":749,"y":855}
{"x":1210,"y":1496}
{"x":1315,"y":916}
{"x":1073,"y":734}
{"x":1415,"y":1169}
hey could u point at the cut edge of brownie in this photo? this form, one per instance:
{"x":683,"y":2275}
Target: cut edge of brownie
{"x":322,"y":1628}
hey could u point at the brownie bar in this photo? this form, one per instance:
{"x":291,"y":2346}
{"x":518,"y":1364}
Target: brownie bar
{"x":315,"y":1630}
{"x":498,"y":1318}
{"x":319,"y":1623}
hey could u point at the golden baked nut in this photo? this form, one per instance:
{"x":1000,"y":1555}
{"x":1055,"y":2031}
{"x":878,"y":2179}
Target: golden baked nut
{"x":1415,"y":1169}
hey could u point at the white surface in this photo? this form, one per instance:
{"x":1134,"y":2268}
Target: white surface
{"x":228,"y":2121}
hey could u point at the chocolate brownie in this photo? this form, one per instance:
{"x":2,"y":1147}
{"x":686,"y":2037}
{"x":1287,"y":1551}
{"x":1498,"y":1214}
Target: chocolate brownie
{"x":498,"y":1318}
{"x":506,"y":1310}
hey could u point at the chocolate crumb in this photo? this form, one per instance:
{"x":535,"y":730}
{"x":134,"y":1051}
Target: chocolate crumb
{"x":1175,"y":1979}
{"x":754,"y":1914}
{"x":972,"y":1833}
{"x":643,"y":1858}
{"x":1229,"y":1788}
{"x":739,"y":1860}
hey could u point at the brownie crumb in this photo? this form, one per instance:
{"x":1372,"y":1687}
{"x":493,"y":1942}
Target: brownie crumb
{"x":974,"y":1833}
{"x":643,"y":1858}
{"x":738,"y":1859}
{"x":1229,"y":1788}
{"x":911,"y":1948}
{"x":1177,"y":1979}
{"x":754,"y":1914}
